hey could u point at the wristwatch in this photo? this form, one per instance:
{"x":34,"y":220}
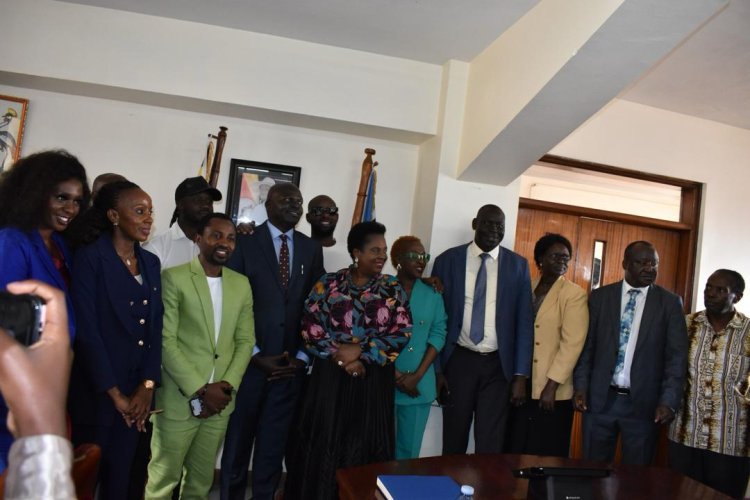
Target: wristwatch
{"x":149,"y":384}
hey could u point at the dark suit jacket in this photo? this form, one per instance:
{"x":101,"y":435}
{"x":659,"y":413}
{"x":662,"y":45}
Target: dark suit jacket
{"x":112,"y":347}
{"x":24,"y":256}
{"x":513,"y":318}
{"x":657,"y":374}
{"x":277,"y":312}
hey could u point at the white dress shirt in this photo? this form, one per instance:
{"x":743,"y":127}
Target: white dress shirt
{"x":172,"y":247}
{"x":622,"y":378}
{"x":217,"y":297}
{"x":473,"y":261}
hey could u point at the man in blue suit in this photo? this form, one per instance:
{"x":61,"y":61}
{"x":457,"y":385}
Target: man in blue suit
{"x":488,"y":347}
{"x":282,"y":265}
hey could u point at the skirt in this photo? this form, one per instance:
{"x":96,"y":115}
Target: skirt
{"x":345,"y":421}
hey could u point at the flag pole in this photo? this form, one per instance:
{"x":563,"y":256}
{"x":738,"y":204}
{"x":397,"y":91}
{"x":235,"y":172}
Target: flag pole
{"x":364,"y":178}
{"x":213,"y":179}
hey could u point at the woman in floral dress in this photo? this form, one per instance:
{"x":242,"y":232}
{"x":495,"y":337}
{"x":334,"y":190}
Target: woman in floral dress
{"x":355,"y":324}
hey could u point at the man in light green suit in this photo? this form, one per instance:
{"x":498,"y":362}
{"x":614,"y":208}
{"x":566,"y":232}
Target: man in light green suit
{"x":207,"y":343}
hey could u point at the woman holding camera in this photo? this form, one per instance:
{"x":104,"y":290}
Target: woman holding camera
{"x":39,"y":197}
{"x":116,"y":293}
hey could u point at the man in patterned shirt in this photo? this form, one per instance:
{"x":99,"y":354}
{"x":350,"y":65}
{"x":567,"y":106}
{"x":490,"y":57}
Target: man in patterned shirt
{"x":708,"y":440}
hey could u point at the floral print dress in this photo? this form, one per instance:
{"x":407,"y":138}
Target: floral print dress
{"x":374,"y":316}
{"x":347,"y":421}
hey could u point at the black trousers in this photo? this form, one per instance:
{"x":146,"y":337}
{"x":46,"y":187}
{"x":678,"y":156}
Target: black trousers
{"x":600,"y":431}
{"x":725,"y":473}
{"x":261,"y":419}
{"x":533,"y":431}
{"x":479,"y":392}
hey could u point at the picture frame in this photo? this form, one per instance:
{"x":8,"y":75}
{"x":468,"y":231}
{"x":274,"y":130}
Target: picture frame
{"x":249,"y":182}
{"x":12,"y":121}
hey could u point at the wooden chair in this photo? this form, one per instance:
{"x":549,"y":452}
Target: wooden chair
{"x":85,"y":470}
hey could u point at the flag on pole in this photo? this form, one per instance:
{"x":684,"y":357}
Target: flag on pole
{"x":364,"y":204}
{"x":368,"y":213}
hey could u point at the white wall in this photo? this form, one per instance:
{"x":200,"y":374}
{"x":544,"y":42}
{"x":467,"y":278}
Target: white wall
{"x":158,"y":147}
{"x":638,"y":137}
{"x":124,"y":50}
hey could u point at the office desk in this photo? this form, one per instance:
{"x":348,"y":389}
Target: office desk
{"x":491,"y":477}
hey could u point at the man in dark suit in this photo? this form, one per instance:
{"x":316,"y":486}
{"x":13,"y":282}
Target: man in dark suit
{"x":282,"y":266}
{"x":631,"y":372}
{"x":488,"y":348}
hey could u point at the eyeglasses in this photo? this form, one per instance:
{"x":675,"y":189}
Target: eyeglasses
{"x":560,"y":257}
{"x":318,"y":211}
{"x":416,"y":256}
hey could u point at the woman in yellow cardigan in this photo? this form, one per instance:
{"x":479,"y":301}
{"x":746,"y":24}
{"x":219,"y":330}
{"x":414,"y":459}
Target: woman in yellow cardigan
{"x":541,"y":426}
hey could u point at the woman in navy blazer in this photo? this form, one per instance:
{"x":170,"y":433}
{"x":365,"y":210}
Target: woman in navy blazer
{"x":39,"y":197}
{"x":415,"y":374}
{"x":117,"y":298}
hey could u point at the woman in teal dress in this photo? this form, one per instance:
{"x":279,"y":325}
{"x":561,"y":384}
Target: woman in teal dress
{"x":415,"y":375}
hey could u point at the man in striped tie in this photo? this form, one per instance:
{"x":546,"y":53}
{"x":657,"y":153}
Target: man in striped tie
{"x":629,"y":378}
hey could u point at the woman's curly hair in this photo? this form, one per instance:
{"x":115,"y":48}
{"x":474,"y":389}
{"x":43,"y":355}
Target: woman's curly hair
{"x":25,"y":189}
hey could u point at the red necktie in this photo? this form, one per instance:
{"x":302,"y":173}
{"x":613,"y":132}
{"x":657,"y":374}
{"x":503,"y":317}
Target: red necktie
{"x":284,"y":262}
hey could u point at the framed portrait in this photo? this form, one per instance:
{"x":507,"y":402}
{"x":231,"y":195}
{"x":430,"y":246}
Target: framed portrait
{"x":12,"y":119}
{"x":249,"y":182}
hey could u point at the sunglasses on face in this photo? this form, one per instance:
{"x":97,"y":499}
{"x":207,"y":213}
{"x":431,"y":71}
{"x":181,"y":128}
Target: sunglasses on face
{"x":417,"y":257}
{"x":318,"y":211}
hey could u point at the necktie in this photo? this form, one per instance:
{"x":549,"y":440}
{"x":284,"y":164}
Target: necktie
{"x":284,"y":262}
{"x":476,"y":330}
{"x":626,"y":324}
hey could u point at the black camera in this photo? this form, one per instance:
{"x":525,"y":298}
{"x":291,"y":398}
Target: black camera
{"x":22,"y":316}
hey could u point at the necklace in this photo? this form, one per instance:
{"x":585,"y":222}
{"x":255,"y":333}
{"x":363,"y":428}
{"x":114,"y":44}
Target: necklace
{"x":126,"y":258}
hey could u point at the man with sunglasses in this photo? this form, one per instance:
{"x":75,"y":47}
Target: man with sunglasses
{"x":323,"y":215}
{"x":488,"y":348}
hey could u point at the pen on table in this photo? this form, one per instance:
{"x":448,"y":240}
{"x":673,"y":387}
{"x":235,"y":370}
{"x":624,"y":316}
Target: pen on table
{"x":154,"y":412}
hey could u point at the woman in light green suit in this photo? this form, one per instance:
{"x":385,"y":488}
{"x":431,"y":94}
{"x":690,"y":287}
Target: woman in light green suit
{"x":415,"y":375}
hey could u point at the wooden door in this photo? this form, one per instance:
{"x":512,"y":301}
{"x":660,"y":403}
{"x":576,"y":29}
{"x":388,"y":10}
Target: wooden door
{"x":615,"y":236}
{"x":584,"y":231}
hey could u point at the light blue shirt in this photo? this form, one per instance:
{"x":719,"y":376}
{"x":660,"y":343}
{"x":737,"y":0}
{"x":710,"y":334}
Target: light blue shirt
{"x":276,"y":238}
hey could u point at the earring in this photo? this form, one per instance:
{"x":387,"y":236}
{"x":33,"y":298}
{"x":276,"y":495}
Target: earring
{"x":356,"y":262}
{"x":398,"y":267}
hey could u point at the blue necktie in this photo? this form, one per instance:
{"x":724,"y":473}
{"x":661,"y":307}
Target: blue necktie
{"x":476,"y":330}
{"x":626,"y":325}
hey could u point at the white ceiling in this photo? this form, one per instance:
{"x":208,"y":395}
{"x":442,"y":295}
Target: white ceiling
{"x":708,"y":76}
{"x":431,"y":31}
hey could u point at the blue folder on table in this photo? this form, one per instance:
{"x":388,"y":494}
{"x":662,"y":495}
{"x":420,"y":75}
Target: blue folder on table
{"x":418,"y":487}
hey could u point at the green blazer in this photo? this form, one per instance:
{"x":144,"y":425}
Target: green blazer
{"x":189,"y":351}
{"x":428,"y":315}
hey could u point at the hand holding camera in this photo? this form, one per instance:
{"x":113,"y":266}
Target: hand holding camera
{"x":34,"y":379}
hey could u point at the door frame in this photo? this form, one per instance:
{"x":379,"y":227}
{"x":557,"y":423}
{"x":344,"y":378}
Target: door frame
{"x":688,"y":225}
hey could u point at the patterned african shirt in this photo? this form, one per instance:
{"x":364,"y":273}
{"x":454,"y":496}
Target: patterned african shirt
{"x":374,"y":315}
{"x":713,"y":416}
